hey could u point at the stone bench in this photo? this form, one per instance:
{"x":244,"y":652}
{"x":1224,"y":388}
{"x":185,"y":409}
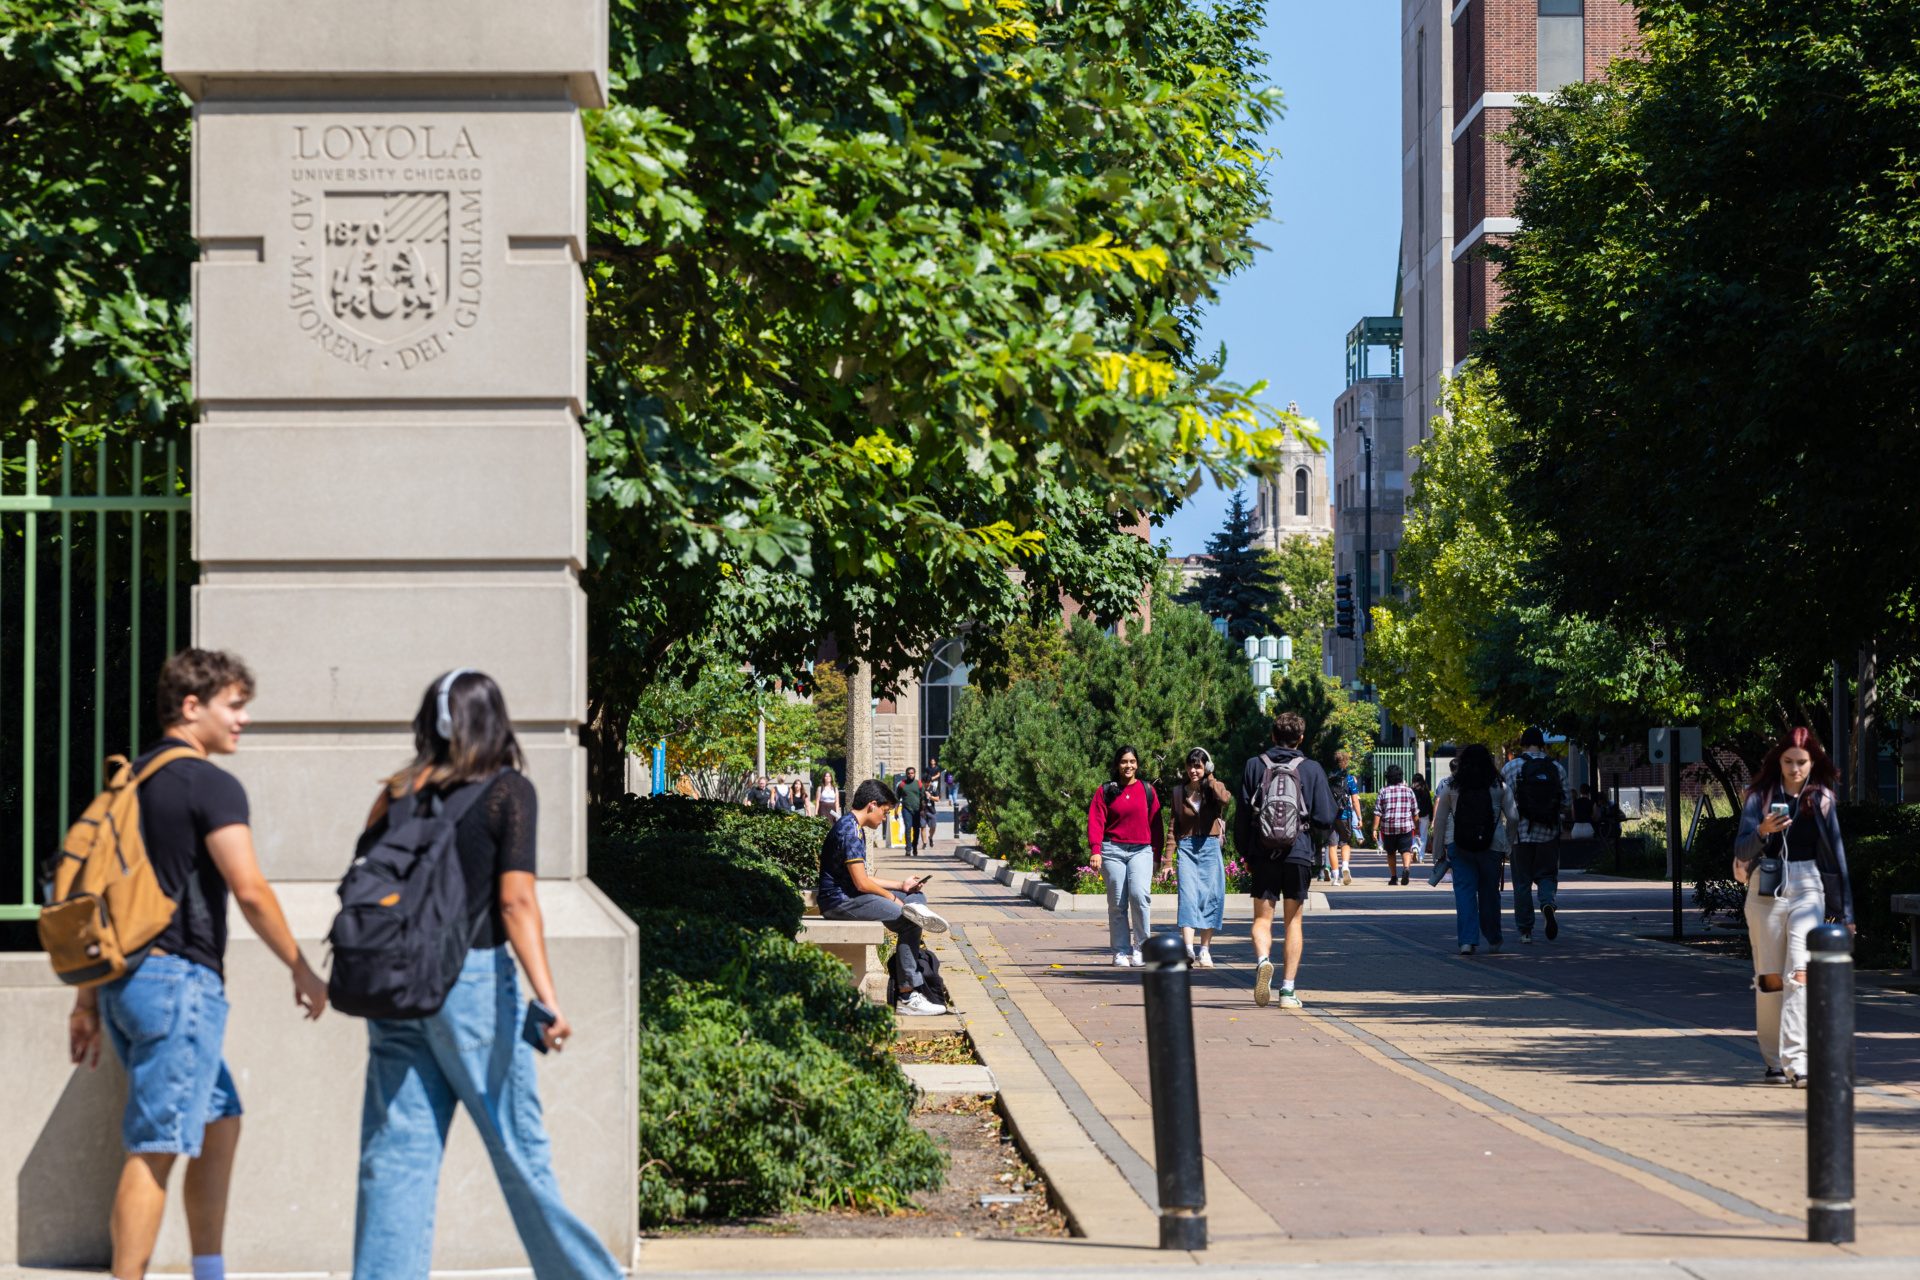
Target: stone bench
{"x":1908,"y":905}
{"x":856,"y":944}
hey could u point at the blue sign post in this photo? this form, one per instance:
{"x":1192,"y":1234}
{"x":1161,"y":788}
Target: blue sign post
{"x":660,"y":767}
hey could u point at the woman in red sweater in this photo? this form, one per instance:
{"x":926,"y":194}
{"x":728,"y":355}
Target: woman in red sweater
{"x":1125,"y":834}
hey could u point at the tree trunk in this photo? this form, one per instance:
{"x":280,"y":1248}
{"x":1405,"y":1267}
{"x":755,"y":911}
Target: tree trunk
{"x":859,"y":725}
{"x":1863,"y":751}
{"x":606,"y":752}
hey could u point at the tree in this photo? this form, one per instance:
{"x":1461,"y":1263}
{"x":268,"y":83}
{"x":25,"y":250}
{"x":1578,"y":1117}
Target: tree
{"x":1240,"y":584}
{"x":1303,"y":567}
{"x":1707,"y":339}
{"x":830,"y":708}
{"x":887,"y":299}
{"x":1335,"y":720}
{"x":711,"y":726}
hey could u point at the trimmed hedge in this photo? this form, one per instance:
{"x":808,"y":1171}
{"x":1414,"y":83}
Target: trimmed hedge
{"x":766,"y":1084}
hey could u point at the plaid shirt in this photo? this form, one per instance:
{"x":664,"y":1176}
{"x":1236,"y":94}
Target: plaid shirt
{"x":1398,"y":809}
{"x":1532,"y":832}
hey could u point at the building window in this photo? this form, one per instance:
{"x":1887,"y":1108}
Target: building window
{"x":1300,"y":483}
{"x":1562,"y":44}
{"x":940,"y":690}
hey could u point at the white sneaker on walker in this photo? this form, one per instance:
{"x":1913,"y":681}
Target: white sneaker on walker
{"x":926,"y":919}
{"x":1136,"y":957}
{"x":919,"y":1006}
{"x":1205,"y":959}
{"x":1122,"y":960}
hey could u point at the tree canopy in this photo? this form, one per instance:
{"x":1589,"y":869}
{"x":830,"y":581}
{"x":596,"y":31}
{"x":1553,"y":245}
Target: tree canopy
{"x":1707,"y":341}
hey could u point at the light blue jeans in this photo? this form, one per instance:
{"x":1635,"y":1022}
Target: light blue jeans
{"x":1128,"y":871}
{"x":1203,"y":883}
{"x":469,"y":1053}
{"x":1476,"y":895}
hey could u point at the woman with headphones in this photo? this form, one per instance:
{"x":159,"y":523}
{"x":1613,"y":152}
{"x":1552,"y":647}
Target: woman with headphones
{"x":478,"y":1049}
{"x":1199,"y":821}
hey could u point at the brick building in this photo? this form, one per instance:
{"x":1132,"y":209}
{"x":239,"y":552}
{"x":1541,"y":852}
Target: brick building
{"x":1464,"y":68}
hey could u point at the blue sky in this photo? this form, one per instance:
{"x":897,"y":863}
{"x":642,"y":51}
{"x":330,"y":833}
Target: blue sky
{"x":1334,"y":238}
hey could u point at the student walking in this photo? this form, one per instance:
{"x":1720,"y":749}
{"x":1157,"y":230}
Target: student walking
{"x":1396,"y":823}
{"x":1346,"y":821}
{"x":472,"y":1051}
{"x":1472,"y":818}
{"x":167,"y":1017}
{"x":828,"y":797}
{"x":1283,"y":797}
{"x":1789,"y":854}
{"x":1125,"y":833}
{"x":847,"y":891}
{"x":1423,"y":798}
{"x":1539,"y":788}
{"x":913,"y":798}
{"x":1199,"y":822}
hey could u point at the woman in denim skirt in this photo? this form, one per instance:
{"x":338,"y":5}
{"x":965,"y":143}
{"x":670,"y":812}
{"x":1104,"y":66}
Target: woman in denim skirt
{"x":1199,"y":822}
{"x":471,"y":1053}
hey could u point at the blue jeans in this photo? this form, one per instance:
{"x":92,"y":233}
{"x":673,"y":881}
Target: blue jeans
{"x":469,"y":1053}
{"x":1534,"y":864}
{"x":166,"y":1020}
{"x":1203,"y":883}
{"x":887,"y":911}
{"x":1476,"y":894}
{"x":1128,"y":871}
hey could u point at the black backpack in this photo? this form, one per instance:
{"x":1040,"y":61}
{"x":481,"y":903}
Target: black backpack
{"x":932,"y":985}
{"x":404,"y":927}
{"x":1537,"y":791}
{"x":1475,"y":820}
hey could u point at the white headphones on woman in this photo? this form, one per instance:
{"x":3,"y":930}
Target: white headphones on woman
{"x":445,"y":723}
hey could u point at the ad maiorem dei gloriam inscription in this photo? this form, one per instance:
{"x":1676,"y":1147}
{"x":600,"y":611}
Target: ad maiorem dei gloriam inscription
{"x":388,"y":255}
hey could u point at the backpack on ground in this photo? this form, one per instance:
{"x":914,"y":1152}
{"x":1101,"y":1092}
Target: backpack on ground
{"x":105,"y":905}
{"x":1282,"y":806}
{"x":1537,"y":792}
{"x":932,"y":985}
{"x":1476,"y":819}
{"x":404,"y":925}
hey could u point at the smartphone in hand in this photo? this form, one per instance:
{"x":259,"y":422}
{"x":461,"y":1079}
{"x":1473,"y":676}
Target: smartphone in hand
{"x":534,"y":1029}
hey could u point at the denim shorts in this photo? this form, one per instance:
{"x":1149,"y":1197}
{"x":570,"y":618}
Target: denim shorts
{"x":166,"y":1020}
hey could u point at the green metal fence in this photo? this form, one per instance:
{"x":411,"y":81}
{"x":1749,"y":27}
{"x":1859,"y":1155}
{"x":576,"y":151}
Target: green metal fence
{"x":1384,"y":756}
{"x":72,"y":662}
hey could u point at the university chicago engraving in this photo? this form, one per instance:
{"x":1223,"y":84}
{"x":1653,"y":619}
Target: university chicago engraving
{"x":387,"y":264}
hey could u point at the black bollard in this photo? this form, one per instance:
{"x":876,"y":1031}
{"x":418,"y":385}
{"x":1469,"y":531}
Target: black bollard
{"x":1830,"y":1085}
{"x":1174,"y":1076}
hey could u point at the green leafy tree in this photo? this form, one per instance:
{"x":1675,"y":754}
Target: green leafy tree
{"x":1240,"y":584}
{"x":1303,"y":567}
{"x":1705,"y":337}
{"x":711,"y":726}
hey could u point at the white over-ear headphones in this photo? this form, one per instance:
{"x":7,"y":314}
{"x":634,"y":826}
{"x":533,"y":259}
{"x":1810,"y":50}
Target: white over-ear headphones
{"x":445,"y":723}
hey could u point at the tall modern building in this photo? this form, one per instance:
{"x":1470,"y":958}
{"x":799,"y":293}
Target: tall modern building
{"x":1465,"y":67}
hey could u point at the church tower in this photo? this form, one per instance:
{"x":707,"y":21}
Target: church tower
{"x":1294,"y":501}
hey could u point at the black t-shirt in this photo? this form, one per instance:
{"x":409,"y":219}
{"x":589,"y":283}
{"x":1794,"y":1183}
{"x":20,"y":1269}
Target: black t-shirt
{"x":179,"y":807}
{"x":495,"y":835}
{"x":1803,"y":837}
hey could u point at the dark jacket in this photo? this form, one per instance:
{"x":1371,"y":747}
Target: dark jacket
{"x":1314,"y":790}
{"x":1831,"y":856}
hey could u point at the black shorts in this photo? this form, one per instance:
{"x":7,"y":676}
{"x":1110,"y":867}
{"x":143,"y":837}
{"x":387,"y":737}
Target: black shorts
{"x":1343,"y":832}
{"x":1276,"y":880}
{"x":1391,"y":843}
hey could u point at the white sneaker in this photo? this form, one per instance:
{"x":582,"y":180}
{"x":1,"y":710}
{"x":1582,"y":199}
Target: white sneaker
{"x":1136,"y":957}
{"x":918,"y":1006}
{"x":1122,"y":960}
{"x":926,"y":919}
{"x":1263,"y":983}
{"x":1205,"y":959}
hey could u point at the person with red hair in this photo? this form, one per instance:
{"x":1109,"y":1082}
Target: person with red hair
{"x":1790,"y":856}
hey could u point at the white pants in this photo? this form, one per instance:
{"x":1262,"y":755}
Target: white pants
{"x":1778,"y":929}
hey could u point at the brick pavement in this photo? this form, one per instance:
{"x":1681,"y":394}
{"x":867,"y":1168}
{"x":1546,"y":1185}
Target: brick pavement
{"x":1598,"y":1085}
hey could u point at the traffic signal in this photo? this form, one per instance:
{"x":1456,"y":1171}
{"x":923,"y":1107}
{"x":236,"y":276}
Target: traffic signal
{"x":1343,"y":606}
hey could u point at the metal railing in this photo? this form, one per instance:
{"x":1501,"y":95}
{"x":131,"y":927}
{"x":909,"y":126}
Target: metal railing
{"x":1384,"y":756}
{"x":49,"y":668}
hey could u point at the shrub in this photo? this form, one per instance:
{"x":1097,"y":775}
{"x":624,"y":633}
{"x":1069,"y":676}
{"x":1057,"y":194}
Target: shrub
{"x":697,"y":875}
{"x":789,"y":842}
{"x":765,"y":1082}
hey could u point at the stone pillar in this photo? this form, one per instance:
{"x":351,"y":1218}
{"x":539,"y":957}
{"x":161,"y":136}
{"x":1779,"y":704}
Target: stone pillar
{"x":389,"y":481}
{"x":859,"y":725}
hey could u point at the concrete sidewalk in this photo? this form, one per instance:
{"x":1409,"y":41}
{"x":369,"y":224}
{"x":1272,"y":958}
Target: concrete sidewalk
{"x":1586,"y":1107}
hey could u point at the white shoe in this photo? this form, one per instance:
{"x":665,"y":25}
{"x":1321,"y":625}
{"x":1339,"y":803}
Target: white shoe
{"x":1263,"y":983}
{"x":1136,"y":958}
{"x":1122,"y":960}
{"x":919,"y":1006}
{"x":1205,"y":959}
{"x":925,"y":918}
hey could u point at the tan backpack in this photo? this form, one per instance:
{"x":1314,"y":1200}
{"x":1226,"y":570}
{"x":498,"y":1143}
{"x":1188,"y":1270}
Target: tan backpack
{"x":107,"y":906}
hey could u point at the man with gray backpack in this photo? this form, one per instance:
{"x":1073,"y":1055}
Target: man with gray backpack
{"x":1539,"y":788}
{"x":1283,"y":797}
